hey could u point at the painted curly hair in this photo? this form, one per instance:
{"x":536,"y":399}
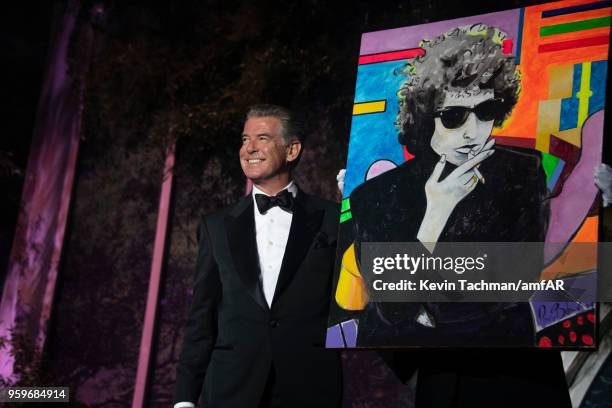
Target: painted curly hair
{"x":466,"y":57}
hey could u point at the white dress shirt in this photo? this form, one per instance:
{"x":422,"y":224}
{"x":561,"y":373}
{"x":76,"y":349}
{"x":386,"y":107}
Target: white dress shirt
{"x":271,"y":233}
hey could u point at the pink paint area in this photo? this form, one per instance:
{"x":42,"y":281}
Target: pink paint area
{"x":379,"y":167}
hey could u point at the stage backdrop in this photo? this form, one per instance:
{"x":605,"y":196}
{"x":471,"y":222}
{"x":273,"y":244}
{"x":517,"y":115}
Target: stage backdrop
{"x":480,"y":129}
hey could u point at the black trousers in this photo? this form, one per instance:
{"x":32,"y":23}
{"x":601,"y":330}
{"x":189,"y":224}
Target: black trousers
{"x":492,"y":378}
{"x":271,"y":394}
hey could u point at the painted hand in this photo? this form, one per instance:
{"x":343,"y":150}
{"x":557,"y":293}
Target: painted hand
{"x":444,"y":195}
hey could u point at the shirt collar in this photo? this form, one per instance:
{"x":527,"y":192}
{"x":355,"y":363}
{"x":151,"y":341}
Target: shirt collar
{"x":291,"y":187}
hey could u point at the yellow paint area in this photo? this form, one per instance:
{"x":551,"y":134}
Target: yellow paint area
{"x":584,"y":94}
{"x":549,"y":112}
{"x":351,"y":293}
{"x":570,"y":136}
{"x":561,"y":78}
{"x":369,"y":107}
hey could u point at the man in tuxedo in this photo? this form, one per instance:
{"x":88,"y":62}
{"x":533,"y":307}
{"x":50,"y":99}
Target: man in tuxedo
{"x":255,"y":332}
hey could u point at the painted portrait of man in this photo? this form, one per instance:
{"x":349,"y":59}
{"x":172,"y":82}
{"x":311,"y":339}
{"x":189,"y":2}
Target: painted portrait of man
{"x":481,"y":158}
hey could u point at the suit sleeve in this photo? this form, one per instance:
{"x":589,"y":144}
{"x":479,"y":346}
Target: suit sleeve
{"x":201,"y":327}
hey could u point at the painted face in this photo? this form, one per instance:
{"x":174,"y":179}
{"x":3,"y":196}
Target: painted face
{"x":264,"y":154}
{"x":463,"y":123}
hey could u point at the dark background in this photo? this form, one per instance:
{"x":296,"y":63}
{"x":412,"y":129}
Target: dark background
{"x":185,"y":71}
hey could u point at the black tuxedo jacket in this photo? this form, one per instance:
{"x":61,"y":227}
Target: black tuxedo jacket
{"x":232,"y":337}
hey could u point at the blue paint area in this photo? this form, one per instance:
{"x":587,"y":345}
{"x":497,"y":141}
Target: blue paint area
{"x":519,"y":41}
{"x":598,"y":86}
{"x":555,"y":176}
{"x":569,"y":114}
{"x":349,"y":328}
{"x":569,"y":106}
{"x":334,"y":337}
{"x":576,"y":9}
{"x":342,"y":335}
{"x":374,"y":136}
{"x":549,"y":313}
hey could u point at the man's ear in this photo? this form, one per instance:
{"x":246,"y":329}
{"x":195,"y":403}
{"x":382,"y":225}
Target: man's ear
{"x":293,"y":150}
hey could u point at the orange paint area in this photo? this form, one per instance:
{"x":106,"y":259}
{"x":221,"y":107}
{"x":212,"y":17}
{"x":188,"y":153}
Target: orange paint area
{"x":579,"y":256}
{"x":546,"y":76}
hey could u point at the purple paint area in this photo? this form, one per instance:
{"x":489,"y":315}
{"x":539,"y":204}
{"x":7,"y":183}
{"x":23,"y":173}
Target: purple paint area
{"x":570,"y":208}
{"x":410,"y":37}
{"x":339,"y":333}
{"x":549,"y":313}
{"x":334,"y":337}
{"x":350,"y":332}
{"x":580,"y":288}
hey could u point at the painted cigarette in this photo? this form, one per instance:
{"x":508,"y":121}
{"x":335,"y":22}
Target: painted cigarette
{"x":479,"y":175}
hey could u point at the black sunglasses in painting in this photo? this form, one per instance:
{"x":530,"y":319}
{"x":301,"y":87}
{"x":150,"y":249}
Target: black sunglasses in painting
{"x":453,"y":117}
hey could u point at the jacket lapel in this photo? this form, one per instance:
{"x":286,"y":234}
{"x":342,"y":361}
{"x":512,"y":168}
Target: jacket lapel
{"x":240,"y":224}
{"x":304,"y":225}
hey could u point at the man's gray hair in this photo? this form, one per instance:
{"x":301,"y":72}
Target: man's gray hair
{"x":290,"y":129}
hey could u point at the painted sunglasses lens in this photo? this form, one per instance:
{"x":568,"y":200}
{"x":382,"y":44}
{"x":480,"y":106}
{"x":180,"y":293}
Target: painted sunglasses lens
{"x":453,"y":117}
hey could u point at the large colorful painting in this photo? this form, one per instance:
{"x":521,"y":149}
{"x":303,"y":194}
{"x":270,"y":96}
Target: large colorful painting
{"x":483,"y":129}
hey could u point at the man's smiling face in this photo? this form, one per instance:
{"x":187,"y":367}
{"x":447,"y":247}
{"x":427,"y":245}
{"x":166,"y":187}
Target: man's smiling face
{"x":265,"y":155}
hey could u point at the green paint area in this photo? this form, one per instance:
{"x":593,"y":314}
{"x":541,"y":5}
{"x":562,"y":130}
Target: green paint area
{"x":575,"y":26}
{"x":345,"y":216}
{"x":346,"y":205}
{"x":549,"y":163}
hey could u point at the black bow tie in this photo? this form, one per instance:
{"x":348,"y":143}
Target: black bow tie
{"x":284,"y":200}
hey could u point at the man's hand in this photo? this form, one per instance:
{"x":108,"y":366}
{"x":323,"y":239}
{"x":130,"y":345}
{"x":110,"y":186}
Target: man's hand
{"x":603,"y":180}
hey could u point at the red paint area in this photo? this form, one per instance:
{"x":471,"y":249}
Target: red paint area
{"x":407,"y":154}
{"x":507,"y":46}
{"x":586,"y":339}
{"x":566,"y":45}
{"x":515,"y":141}
{"x":545,"y":342}
{"x":567,"y":152}
{"x":574,"y":331}
{"x":391,"y":56}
